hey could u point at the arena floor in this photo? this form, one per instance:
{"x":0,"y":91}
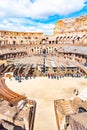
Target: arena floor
{"x":45,"y":91}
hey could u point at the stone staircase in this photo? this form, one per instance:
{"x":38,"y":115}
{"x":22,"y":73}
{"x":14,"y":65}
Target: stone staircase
{"x":66,"y":106}
{"x":63,"y":111}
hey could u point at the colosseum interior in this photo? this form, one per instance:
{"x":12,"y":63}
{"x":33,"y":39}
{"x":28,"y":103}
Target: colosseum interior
{"x":63,"y":54}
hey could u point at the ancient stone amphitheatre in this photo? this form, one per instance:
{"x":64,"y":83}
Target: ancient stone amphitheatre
{"x":43,"y":81}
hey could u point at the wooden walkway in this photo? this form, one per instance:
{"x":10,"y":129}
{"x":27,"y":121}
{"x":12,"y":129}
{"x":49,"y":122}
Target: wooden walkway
{"x":8,"y":94}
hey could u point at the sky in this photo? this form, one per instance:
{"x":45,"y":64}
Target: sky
{"x":38,"y":15}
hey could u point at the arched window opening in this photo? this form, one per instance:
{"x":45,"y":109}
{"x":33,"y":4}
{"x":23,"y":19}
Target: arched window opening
{"x":44,"y":51}
{"x":36,"y":37}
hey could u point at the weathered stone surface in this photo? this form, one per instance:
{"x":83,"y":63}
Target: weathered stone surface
{"x":79,"y":121}
{"x":17,"y":117}
{"x":71,"y":25}
{"x":67,"y":113}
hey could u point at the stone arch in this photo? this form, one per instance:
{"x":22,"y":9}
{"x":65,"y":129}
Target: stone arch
{"x":53,"y":42}
{"x":60,"y":37}
{"x":78,"y":38}
{"x":14,"y":42}
{"x":47,"y":40}
{"x":29,"y":37}
{"x":43,"y":40}
{"x":32,"y":49}
{"x":44,"y":51}
{"x":36,"y":37}
{"x":0,"y":42}
{"x":68,"y":37}
{"x":57,"y":38}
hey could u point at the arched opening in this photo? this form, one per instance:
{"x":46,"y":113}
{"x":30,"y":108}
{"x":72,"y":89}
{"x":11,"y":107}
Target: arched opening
{"x":44,"y":51}
{"x":78,"y":38}
{"x":29,"y":37}
{"x":43,"y":41}
{"x":49,"y":42}
{"x":53,"y":42}
{"x":67,"y":121}
{"x":36,"y":37}
{"x":14,"y":42}
{"x":60,"y":38}
{"x":21,"y":41}
{"x":81,"y":110}
{"x":0,"y":43}
{"x":32,"y":49}
{"x":57,"y":40}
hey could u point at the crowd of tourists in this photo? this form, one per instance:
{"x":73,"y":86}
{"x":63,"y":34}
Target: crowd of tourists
{"x":19,"y":78}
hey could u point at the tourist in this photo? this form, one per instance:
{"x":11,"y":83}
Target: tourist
{"x":57,"y":77}
{"x":77,"y":93}
{"x":26,"y":77}
{"x":74,"y":91}
{"x":48,"y":75}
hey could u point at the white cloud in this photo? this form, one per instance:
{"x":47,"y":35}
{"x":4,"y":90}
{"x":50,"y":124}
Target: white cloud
{"x":47,"y":8}
{"x":25,"y":25}
{"x":39,"y":8}
{"x":17,"y":15}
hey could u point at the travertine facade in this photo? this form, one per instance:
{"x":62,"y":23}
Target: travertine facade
{"x":68,"y":31}
{"x":71,"y":31}
{"x":71,"y":25}
{"x":14,"y":38}
{"x":69,"y":39}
